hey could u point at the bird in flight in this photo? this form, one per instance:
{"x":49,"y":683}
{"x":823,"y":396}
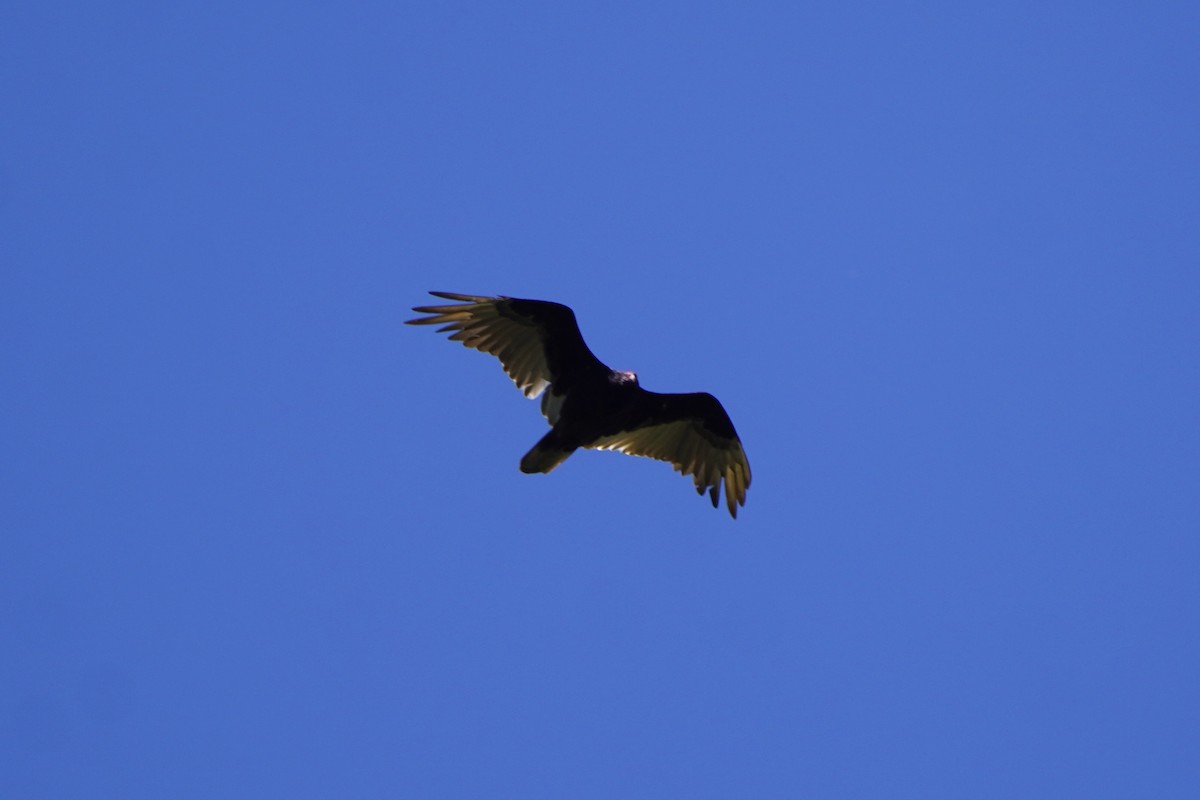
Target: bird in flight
{"x":589,"y":405}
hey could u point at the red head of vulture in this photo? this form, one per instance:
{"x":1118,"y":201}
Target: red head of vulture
{"x":589,"y":405}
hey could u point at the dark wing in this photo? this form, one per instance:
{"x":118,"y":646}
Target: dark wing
{"x":537,"y":342}
{"x":694,"y":434}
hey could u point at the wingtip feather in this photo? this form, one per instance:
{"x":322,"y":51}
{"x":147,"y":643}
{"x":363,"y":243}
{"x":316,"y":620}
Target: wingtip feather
{"x":731,"y":490}
{"x":462,"y":298}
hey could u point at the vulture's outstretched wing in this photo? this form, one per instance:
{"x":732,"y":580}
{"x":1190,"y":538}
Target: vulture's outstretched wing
{"x":537,"y":342}
{"x":694,"y":434}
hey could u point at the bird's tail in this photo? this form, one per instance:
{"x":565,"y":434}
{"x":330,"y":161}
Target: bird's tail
{"x":547,"y":454}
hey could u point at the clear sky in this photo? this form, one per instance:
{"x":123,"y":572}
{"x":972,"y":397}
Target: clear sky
{"x":939,"y":261}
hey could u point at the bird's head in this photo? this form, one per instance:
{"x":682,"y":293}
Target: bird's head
{"x":626,"y":378}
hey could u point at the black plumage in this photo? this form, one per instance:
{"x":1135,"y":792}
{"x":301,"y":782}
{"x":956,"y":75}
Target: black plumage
{"x":589,"y":405}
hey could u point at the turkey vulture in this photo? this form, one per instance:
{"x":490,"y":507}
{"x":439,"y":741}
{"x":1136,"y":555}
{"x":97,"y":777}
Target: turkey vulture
{"x":589,"y":405}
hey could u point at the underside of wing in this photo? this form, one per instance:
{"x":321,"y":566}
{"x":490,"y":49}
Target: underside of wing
{"x":534,"y":340}
{"x":693,"y":433}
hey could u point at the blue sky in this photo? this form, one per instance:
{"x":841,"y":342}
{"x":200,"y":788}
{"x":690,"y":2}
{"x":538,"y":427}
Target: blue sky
{"x":940,"y":262}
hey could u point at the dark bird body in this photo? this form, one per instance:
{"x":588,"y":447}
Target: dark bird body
{"x":589,"y":405}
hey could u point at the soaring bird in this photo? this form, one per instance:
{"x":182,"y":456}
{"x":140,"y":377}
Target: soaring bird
{"x":589,"y":405}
